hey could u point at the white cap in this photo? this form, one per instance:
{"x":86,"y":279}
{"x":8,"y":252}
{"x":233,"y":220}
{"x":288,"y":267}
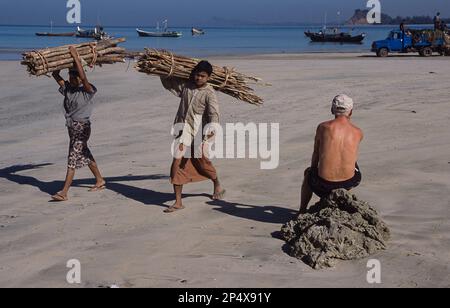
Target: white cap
{"x":342,"y":104}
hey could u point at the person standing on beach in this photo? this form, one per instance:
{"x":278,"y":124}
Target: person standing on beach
{"x":78,"y":105}
{"x":437,"y":21}
{"x":198,"y":108}
{"x":334,"y":162}
{"x":402,"y":28}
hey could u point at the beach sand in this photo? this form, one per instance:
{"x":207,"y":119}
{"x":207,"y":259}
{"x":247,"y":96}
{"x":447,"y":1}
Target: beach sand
{"x":121,"y":235}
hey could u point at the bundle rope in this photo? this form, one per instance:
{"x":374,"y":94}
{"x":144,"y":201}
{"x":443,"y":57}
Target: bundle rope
{"x":43,"y":59}
{"x":172,"y":66}
{"x":94,"y":53}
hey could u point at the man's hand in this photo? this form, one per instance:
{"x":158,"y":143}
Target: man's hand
{"x":56,"y":75}
{"x":204,"y":149}
{"x":179,"y":151}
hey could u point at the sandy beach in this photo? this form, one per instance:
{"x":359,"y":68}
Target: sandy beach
{"x":121,"y":235}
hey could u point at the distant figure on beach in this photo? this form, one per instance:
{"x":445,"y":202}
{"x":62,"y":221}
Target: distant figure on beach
{"x":437,"y":21}
{"x":334,"y":162}
{"x":198,"y":108}
{"x":78,"y":105}
{"x":403,"y":29}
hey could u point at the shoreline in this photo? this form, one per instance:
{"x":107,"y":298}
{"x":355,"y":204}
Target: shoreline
{"x":319,"y":55}
{"x":17,"y":54}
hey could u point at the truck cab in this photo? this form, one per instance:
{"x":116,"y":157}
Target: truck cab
{"x":395,"y":42}
{"x":425,"y":42}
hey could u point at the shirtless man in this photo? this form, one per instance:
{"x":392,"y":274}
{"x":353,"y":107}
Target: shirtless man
{"x":334,"y":162}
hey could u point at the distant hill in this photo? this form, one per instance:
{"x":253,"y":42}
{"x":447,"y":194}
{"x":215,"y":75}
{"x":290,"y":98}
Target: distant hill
{"x":360,"y":18}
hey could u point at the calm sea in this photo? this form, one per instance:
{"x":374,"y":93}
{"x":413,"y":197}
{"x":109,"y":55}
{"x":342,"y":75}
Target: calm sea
{"x":217,"y":41}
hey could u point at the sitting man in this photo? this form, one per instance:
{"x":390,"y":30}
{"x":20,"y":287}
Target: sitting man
{"x":334,"y":162}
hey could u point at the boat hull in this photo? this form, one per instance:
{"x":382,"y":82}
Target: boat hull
{"x":336,"y":38}
{"x":55,"y":34}
{"x":142,"y":33}
{"x":198,"y":32}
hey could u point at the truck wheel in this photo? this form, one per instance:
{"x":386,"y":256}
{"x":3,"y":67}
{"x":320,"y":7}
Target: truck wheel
{"x":382,"y":52}
{"x":426,"y":52}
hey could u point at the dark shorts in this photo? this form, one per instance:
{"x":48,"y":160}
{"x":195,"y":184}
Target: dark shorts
{"x":323,"y":188}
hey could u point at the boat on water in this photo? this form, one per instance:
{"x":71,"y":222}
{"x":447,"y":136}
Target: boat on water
{"x":196,"y":31}
{"x":158,"y":33}
{"x":54,"y":34}
{"x":97,"y":33}
{"x":335,"y":36}
{"x":143,"y":33}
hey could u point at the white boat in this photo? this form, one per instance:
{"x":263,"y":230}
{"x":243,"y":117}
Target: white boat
{"x":196,"y":31}
{"x":164,"y":33}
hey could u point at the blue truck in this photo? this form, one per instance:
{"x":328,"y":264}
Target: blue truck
{"x":425,"y":42}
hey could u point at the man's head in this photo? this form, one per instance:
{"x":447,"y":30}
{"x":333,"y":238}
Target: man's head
{"x":201,"y":73}
{"x":74,"y":78}
{"x":342,"y":105}
{"x":438,"y":13}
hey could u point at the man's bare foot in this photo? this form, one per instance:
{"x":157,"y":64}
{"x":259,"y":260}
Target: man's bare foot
{"x":100,"y":185}
{"x":219,"y":193}
{"x":60,"y":197}
{"x":174,"y":208}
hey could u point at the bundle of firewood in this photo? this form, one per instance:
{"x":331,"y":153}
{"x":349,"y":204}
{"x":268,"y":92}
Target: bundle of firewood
{"x":42,"y":62}
{"x":165,"y":64}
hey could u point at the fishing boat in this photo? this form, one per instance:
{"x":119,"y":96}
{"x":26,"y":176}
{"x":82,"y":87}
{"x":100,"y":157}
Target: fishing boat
{"x":143,"y":33}
{"x":54,"y":34}
{"x":158,"y":33}
{"x":196,"y":31}
{"x":98,"y":33}
{"x":335,"y":37}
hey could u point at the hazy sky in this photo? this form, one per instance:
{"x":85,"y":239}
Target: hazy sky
{"x":202,"y":12}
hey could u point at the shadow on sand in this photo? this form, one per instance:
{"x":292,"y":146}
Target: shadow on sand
{"x":266,"y":214}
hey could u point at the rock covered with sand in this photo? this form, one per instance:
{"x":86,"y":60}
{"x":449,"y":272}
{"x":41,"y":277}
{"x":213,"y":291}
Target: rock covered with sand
{"x":338,"y":227}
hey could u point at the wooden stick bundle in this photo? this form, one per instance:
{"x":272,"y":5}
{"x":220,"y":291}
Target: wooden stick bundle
{"x":164,"y":63}
{"x":42,"y":62}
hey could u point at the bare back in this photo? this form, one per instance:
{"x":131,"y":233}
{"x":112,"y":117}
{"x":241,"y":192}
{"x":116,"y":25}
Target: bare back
{"x":337,"y":146}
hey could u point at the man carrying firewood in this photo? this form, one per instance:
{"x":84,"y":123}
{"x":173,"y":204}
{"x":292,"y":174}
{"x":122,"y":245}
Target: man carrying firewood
{"x":78,"y":105}
{"x":198,"y":108}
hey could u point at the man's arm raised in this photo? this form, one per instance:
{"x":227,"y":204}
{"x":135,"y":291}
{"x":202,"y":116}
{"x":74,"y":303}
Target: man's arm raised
{"x":59,"y":80}
{"x":79,"y":68}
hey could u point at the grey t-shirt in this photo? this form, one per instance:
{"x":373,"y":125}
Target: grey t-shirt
{"x":78,"y":104}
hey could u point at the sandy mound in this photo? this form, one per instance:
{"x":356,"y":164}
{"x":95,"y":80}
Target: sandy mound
{"x":338,"y":227}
